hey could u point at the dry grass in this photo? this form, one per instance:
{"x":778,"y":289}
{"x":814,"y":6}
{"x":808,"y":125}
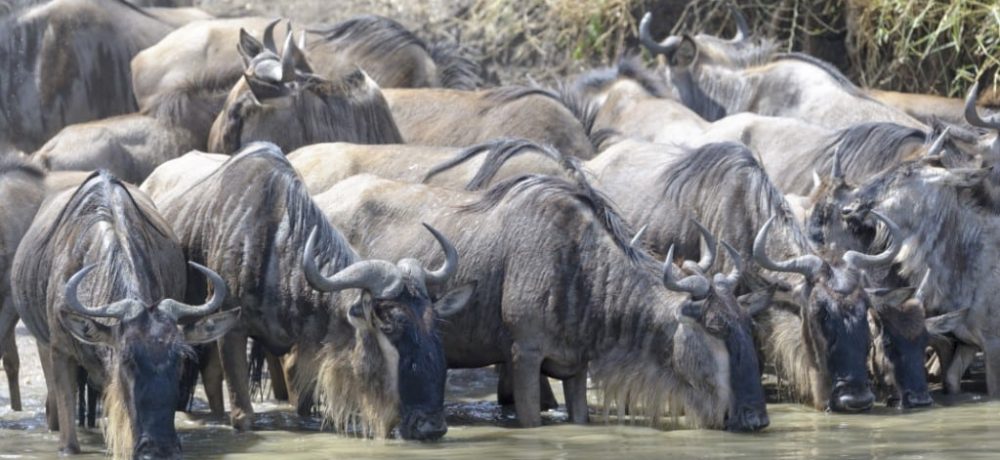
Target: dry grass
{"x":925,"y":45}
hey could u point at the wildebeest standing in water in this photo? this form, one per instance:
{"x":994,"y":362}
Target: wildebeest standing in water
{"x":660,"y":186}
{"x":67,"y":61}
{"x":952,"y":235}
{"x":560,"y":289}
{"x":373,"y":359}
{"x":103,"y":245}
{"x":281,"y":100}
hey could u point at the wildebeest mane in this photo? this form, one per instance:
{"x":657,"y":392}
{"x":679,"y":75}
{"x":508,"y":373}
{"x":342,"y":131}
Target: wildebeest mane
{"x":455,"y":69}
{"x":267,"y":203}
{"x":866,"y":149}
{"x":548,"y":188}
{"x":127,"y":269}
{"x":380,"y":35}
{"x":508,"y":94}
{"x":731,"y":194}
{"x":630,"y":68}
{"x":194,"y":103}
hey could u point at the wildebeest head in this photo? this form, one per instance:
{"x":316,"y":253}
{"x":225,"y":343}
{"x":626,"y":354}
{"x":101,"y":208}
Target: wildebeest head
{"x":398,"y":368}
{"x":281,"y":100}
{"x":148,"y":343}
{"x":688,"y":55}
{"x":900,"y":343}
{"x":714,"y":309}
{"x":835,"y":315}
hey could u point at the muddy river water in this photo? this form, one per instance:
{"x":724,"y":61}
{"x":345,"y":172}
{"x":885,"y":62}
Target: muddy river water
{"x":963,"y":427}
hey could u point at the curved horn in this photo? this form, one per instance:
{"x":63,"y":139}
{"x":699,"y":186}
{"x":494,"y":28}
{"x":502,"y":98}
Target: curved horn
{"x":734,"y":275}
{"x":859,"y":260}
{"x":637,"y":238}
{"x":711,"y":245}
{"x":288,"y":59}
{"x":666,"y":47}
{"x":938,"y":146}
{"x":836,"y":172}
{"x":269,"y":36}
{"x":450,"y":266}
{"x":180,"y":310}
{"x":742,"y":26}
{"x":807,"y":265}
{"x":118,"y":310}
{"x":379,"y":277}
{"x":922,"y":289}
{"x":696,"y":285}
{"x":972,"y":112}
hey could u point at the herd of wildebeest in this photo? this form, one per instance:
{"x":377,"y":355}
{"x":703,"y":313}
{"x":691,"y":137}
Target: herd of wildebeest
{"x":370,"y":216}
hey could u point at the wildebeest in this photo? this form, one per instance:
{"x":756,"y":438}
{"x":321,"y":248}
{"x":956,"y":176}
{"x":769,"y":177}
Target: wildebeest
{"x":446,"y":117}
{"x":178,"y":175}
{"x":373,"y":358}
{"x":952,"y":243}
{"x":23,"y":188}
{"x":280,"y":99}
{"x":560,"y":289}
{"x":129,"y":146}
{"x":792,"y":85}
{"x":104,"y":245}
{"x":323,"y":165}
{"x":67,"y":61}
{"x":192,"y":69}
{"x":723,"y":185}
{"x":632,"y":101}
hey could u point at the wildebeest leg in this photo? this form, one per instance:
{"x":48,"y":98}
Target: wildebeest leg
{"x":236,"y":371}
{"x":277,"y":374}
{"x":575,"y":389}
{"x":93,"y":396}
{"x":944,"y":349}
{"x":962,"y":359}
{"x":505,"y":389}
{"x":527,"y":366}
{"x":991,"y":352}
{"x":299,"y":365}
{"x":64,"y":375}
{"x":211,"y":378}
{"x":51,"y":414}
{"x":8,"y":351}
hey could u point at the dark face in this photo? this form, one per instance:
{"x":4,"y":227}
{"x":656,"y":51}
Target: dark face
{"x":729,"y":321}
{"x":150,"y":354}
{"x":900,"y":345}
{"x":837,"y":328}
{"x":407,"y":324}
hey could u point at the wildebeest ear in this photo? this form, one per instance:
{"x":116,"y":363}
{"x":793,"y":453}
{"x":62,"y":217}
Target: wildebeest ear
{"x":455,"y":300}
{"x":248,"y":47}
{"x":757,"y":301}
{"x":948,"y":322}
{"x":211,"y":327}
{"x":686,"y":53}
{"x":86,"y":329}
{"x":889,"y":298}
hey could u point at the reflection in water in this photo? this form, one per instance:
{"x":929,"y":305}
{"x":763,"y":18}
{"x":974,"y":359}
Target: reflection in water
{"x":480,"y":430}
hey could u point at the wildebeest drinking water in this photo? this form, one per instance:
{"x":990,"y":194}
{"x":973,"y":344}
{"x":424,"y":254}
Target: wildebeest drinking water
{"x":560,"y":290}
{"x":374,"y":358}
{"x":94,"y":280}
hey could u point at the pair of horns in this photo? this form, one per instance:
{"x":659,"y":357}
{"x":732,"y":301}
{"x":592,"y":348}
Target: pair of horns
{"x":972,"y":112}
{"x":292,"y":56}
{"x":128,"y":308}
{"x":809,"y":265}
{"x":697,"y":284}
{"x":382,"y":278}
{"x":670,"y":44}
